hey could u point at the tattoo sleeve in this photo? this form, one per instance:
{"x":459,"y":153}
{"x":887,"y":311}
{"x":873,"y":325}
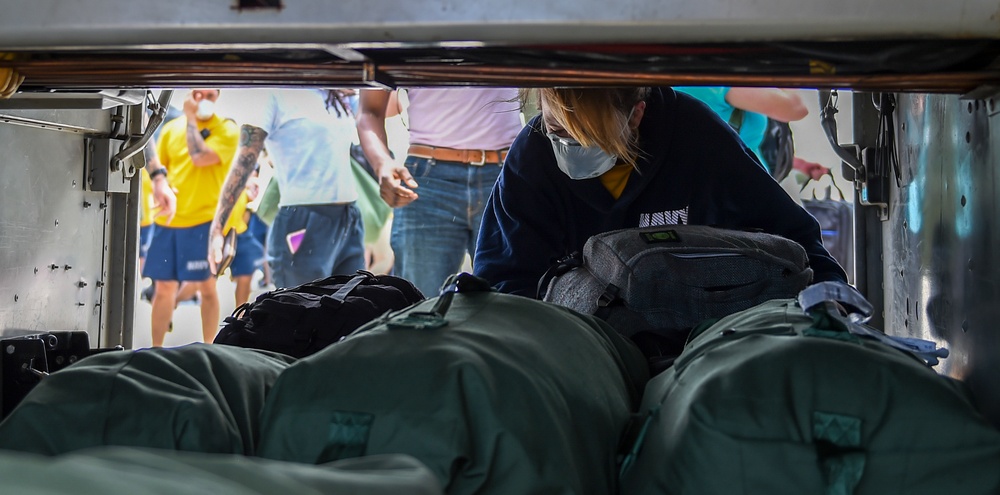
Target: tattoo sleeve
{"x":201,"y":153}
{"x":251,"y":144}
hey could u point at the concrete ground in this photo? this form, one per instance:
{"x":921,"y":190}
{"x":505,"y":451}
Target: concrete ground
{"x":187,"y":316}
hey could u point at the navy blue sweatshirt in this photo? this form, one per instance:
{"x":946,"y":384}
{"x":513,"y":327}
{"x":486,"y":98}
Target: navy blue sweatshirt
{"x":693,"y":169}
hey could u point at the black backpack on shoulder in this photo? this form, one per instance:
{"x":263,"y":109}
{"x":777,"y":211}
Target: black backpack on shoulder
{"x":300,"y":321}
{"x":777,"y":149}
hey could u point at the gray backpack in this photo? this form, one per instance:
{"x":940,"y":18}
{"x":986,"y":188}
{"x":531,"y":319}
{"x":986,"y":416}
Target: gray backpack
{"x":665,"y":280}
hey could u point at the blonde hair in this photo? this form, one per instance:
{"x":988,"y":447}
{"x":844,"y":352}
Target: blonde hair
{"x":596,"y":117}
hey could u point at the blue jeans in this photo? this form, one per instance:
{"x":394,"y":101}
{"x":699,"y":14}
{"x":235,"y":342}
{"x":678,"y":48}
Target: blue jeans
{"x":310,"y":242}
{"x":431,"y":235}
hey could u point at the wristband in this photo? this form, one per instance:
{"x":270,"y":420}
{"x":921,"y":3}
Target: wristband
{"x":158,"y":172}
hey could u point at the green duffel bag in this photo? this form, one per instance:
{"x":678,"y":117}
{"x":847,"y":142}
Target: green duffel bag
{"x":495,"y":393}
{"x":132,"y":470}
{"x":774,"y":401}
{"x":199,"y":397}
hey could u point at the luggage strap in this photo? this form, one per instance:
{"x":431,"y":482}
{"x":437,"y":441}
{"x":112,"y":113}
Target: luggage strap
{"x":458,"y":283}
{"x":606,"y":300}
{"x":344,"y":290}
{"x":837,"y":299}
{"x":560,"y":268}
{"x":633,"y":438}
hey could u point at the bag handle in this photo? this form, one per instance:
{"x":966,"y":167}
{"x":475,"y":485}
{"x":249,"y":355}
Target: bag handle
{"x":435,"y":318}
{"x":343,"y":291}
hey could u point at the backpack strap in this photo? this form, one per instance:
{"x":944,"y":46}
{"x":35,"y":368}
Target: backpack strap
{"x":736,"y":119}
{"x":606,"y":301}
{"x":560,"y":268}
{"x":343,"y":291}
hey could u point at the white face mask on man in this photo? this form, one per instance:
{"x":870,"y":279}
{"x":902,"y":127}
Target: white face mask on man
{"x":206,"y":109}
{"x":583,"y":162}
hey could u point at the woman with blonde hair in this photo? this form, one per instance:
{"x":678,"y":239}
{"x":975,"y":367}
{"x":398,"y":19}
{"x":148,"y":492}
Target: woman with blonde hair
{"x":601,"y":159}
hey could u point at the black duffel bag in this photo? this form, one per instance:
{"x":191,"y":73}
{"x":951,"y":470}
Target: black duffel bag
{"x":300,"y":321}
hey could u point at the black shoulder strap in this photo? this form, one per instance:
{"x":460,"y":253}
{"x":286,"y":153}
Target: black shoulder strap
{"x":736,"y":119}
{"x":561,"y":266}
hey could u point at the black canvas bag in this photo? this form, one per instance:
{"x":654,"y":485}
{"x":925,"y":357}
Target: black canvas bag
{"x":301,"y":320}
{"x":654,"y":284}
{"x":777,"y":148}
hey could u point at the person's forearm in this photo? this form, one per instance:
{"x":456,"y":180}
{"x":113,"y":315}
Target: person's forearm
{"x":201,"y":154}
{"x":251,"y":144}
{"x":374,"y":142}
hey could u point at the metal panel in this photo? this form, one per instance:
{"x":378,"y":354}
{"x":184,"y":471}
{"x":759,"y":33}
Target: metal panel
{"x":942,"y":272}
{"x":52,"y":230}
{"x":50,"y":23}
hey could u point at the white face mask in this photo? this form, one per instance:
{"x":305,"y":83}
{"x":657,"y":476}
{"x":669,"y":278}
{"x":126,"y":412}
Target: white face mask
{"x":580,"y":162}
{"x":206,"y":109}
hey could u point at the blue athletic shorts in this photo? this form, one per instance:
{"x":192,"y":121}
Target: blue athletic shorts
{"x":178,"y":254}
{"x":249,"y":255}
{"x":145,"y":237}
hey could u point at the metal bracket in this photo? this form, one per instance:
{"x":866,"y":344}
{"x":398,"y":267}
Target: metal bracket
{"x":100,"y":176}
{"x":873,"y":188}
{"x":133,"y":147}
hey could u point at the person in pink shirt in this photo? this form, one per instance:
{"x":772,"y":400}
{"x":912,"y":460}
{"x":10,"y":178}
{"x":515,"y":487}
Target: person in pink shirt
{"x":458,"y":141}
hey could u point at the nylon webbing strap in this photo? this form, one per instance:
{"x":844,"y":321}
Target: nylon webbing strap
{"x":736,"y":119}
{"x":837,"y":292}
{"x":341,"y":294}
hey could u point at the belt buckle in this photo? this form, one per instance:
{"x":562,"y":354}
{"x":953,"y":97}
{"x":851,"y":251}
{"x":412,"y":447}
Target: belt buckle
{"x":482,"y":161}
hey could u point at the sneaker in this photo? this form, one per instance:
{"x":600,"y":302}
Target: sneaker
{"x":194,"y":301}
{"x":147,"y":293}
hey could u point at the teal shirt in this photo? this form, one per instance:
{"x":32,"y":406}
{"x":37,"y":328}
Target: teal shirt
{"x":754,"y":124}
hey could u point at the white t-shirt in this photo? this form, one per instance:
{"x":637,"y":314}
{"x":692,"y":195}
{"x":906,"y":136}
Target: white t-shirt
{"x":309,"y":145}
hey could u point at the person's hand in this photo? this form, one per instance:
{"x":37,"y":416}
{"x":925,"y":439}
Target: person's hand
{"x":191,"y":104}
{"x":215,"y":243}
{"x":253,"y":187}
{"x":814,"y":170}
{"x":396,"y":186}
{"x":164,"y":199}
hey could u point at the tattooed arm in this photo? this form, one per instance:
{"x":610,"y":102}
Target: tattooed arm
{"x":251,"y":144}
{"x":201,"y":154}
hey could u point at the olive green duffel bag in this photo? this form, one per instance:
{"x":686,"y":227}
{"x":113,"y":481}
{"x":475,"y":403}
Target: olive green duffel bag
{"x":774,"y":400}
{"x":495,"y":393}
{"x":132,"y":470}
{"x":201,"y":398}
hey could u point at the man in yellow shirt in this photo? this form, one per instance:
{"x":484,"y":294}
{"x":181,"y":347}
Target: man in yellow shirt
{"x":195,"y":151}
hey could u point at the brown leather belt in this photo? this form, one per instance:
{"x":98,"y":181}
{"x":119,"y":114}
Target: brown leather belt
{"x":471,"y":157}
